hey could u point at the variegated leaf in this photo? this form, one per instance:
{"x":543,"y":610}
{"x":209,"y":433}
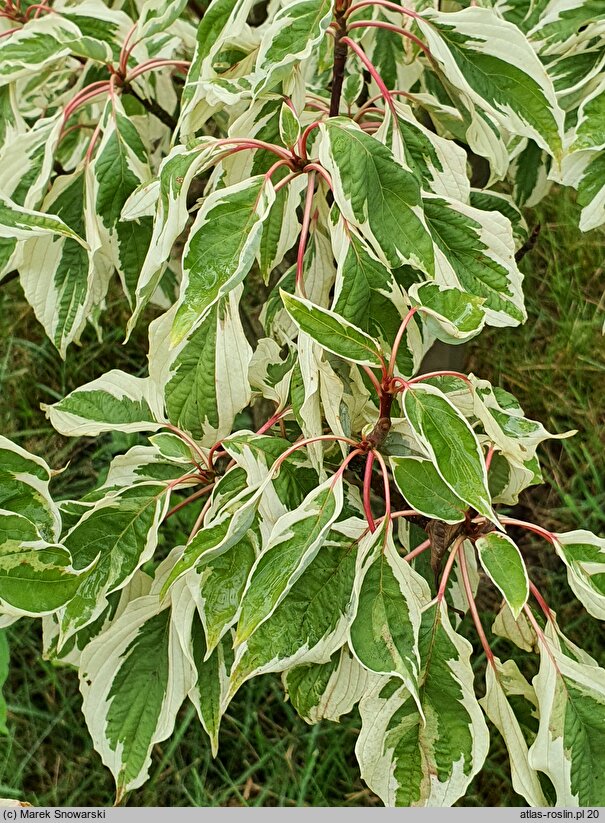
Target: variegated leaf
{"x":325,"y":691}
{"x":222,"y":244}
{"x":584,"y":555}
{"x":569,"y":745}
{"x":451,"y":444}
{"x":134,"y":678}
{"x":115,"y":402}
{"x":409,"y":760}
{"x":376,"y":194}
{"x":490,"y":61}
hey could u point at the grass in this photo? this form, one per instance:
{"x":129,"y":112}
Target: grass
{"x":555,"y":365}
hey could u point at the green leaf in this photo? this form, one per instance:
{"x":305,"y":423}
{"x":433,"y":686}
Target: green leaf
{"x":293,"y":544}
{"x":332,"y":332}
{"x":219,"y":585}
{"x":204,"y":378}
{"x":24,"y":481}
{"x":20,"y":224}
{"x":222,"y":244}
{"x":291,"y":37}
{"x":120,"y":165}
{"x":450,"y":314}
{"x":117,"y":536}
{"x":289,"y":126}
{"x":36,"y":577}
{"x":516,"y":436}
{"x":476,"y":254}
{"x":490,"y":61}
{"x":133,"y":679}
{"x":115,"y":402}
{"x":310,"y":623}
{"x":73,"y":286}
{"x":359,"y":274}
{"x":451,"y":444}
{"x":570,"y":745}
{"x":410,"y":759}
{"x":504,"y":565}
{"x":325,"y":691}
{"x":584,"y":170}
{"x":156,"y":17}
{"x":376,"y":194}
{"x":36,"y":45}
{"x":419,"y":482}
{"x":584,"y":555}
{"x":498,"y":709}
{"x":439,"y":164}
{"x":211,"y":680}
{"x":390,"y":596}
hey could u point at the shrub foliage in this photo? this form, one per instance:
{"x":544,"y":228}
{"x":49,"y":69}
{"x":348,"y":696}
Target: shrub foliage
{"x":299,"y":198}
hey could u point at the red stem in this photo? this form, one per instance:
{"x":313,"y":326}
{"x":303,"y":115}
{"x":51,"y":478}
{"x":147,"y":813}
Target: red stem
{"x":373,"y":71}
{"x":320,"y":170}
{"x":398,"y":339}
{"x":367,"y":480}
{"x":541,"y":601}
{"x":472,"y":605}
{"x":283,"y":183}
{"x":418,"y":550}
{"x":304,"y":232}
{"x":488,"y":458}
{"x":532,"y":527}
{"x":302,"y":141}
{"x":385,"y":4}
{"x":344,"y":465}
{"x":448,"y":568}
{"x":373,"y":379}
{"x":252,"y":143}
{"x":150,"y":65}
{"x":387,"y":487}
{"x":379,"y":24}
{"x":272,"y":421}
{"x":190,"y":499}
{"x":191,"y":443}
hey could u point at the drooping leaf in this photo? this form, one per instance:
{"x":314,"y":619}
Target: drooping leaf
{"x":390,"y":596}
{"x":475,"y":253}
{"x":498,"y":709}
{"x":310,"y":623}
{"x":294,"y":542}
{"x":377,"y":195}
{"x":504,"y":565}
{"x":24,"y":482}
{"x":409,"y":760}
{"x":420,"y":484}
{"x":584,"y":555}
{"x":569,"y":747}
{"x":332,"y":332}
{"x":222,"y":244}
{"x":133,"y":677}
{"x":489,"y":60}
{"x":451,"y":444}
{"x":325,"y":691}
{"x":117,"y":535}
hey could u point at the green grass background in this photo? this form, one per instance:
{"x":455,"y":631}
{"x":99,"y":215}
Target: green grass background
{"x":555,"y":365}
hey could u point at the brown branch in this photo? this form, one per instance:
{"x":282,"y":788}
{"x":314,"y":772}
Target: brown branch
{"x":340,"y":55}
{"x":529,"y":243}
